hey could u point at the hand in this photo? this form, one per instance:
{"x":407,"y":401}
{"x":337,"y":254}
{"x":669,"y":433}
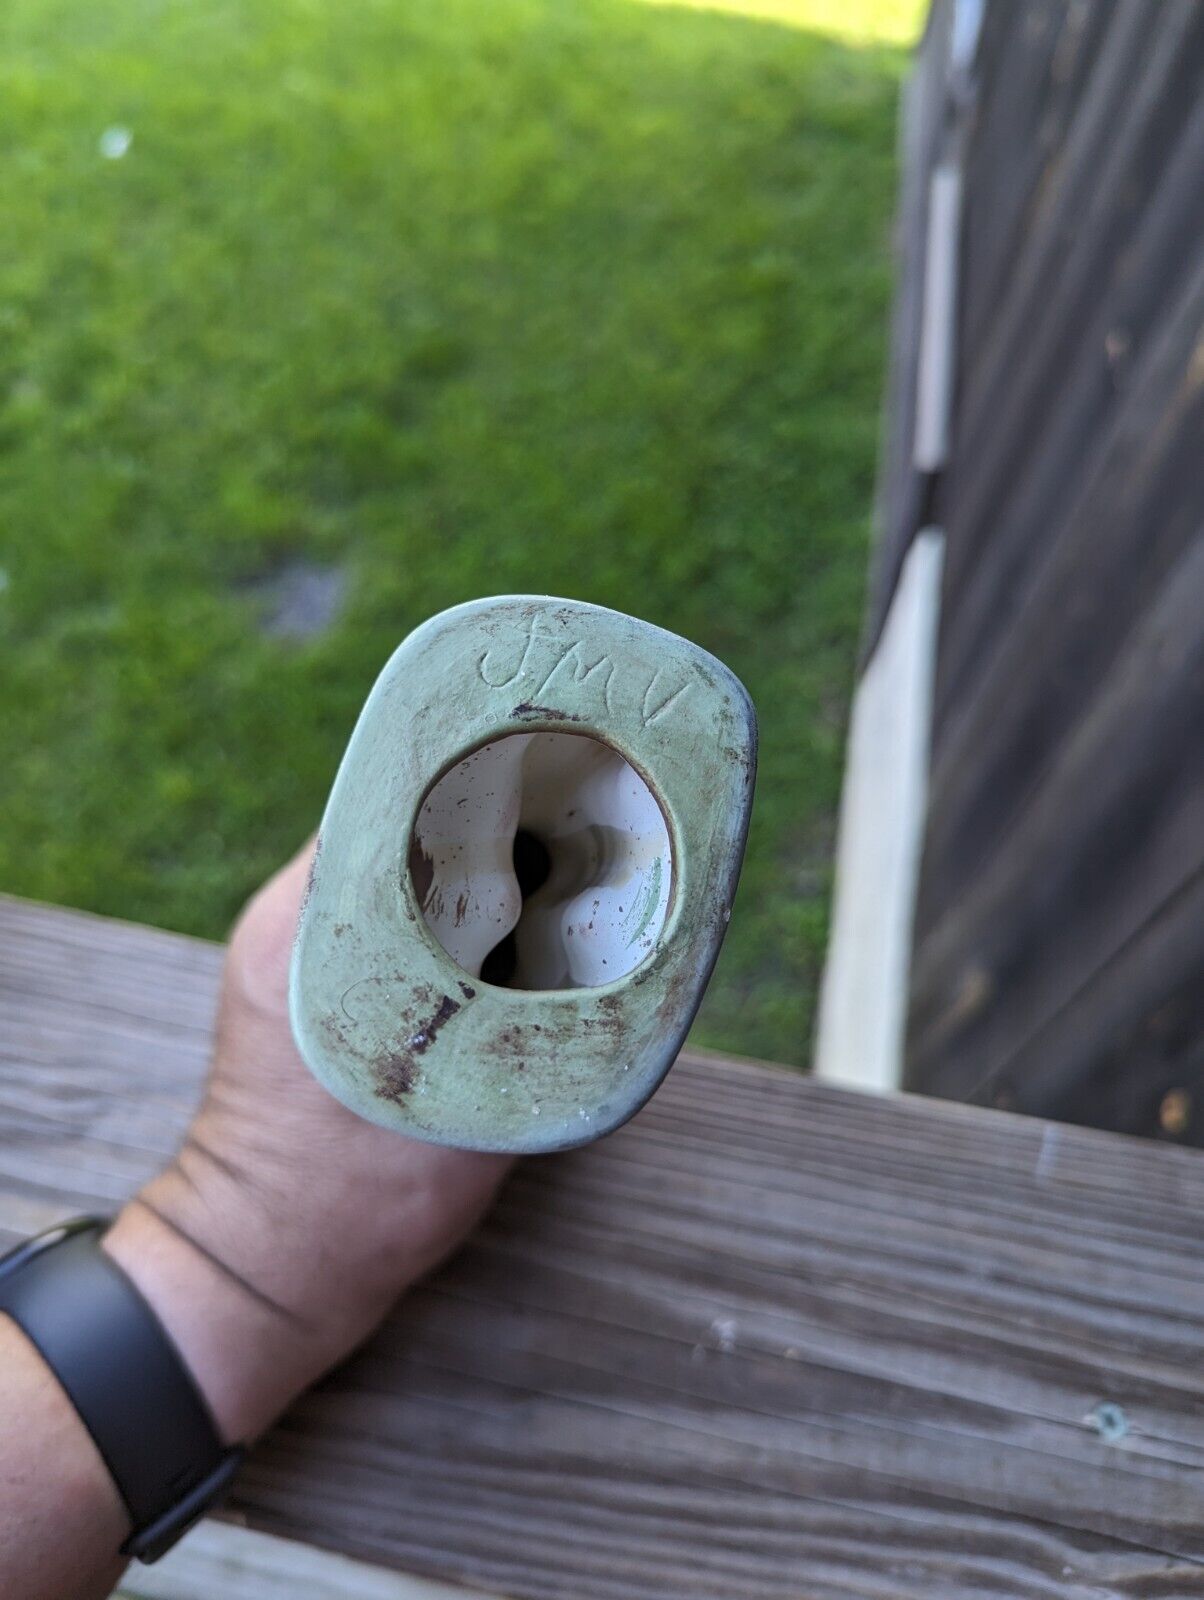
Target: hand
{"x":286,"y":1226}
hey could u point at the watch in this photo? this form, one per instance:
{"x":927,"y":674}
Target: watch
{"x":125,"y":1378}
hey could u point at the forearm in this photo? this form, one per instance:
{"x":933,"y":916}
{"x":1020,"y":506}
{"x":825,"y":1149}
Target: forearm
{"x":61,"y":1521}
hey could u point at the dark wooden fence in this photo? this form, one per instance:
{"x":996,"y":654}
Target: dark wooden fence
{"x":1058,"y":962}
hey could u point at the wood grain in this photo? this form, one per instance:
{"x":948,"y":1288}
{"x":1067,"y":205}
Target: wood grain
{"x":1107,"y":838}
{"x":1136,"y":515}
{"x":771,"y":1340}
{"x":1131,"y":1031}
{"x":1037,"y":393}
{"x":1028,"y":83}
{"x":219,"y":1561}
{"x":1065,"y":826}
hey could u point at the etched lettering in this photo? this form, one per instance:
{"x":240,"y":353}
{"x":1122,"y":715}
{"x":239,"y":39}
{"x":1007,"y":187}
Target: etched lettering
{"x":652,"y":710}
{"x":528,"y":646}
{"x":572,"y":670}
{"x":581,"y":672}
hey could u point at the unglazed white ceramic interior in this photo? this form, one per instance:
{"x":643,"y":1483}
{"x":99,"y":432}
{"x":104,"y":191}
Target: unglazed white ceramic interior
{"x":543,"y":861}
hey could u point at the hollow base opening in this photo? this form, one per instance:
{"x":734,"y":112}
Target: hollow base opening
{"x":543,"y":861}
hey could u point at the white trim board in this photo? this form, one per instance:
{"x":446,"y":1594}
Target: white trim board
{"x":938,"y":326}
{"x":863,"y":1000}
{"x":968,"y":18}
{"x":219,"y":1561}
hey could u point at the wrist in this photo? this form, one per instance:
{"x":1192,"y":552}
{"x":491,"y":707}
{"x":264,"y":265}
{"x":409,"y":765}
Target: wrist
{"x":248,"y":1354}
{"x":120,"y":1372}
{"x":286,"y":1227}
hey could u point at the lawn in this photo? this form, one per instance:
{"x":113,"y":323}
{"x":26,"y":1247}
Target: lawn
{"x":317,"y":318}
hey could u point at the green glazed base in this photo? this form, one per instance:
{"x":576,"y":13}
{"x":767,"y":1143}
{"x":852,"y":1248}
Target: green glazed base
{"x":383,"y":1015}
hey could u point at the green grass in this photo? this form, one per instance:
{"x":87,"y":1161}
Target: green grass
{"x":584,"y":297}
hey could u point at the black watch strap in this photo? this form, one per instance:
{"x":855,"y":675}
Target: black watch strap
{"x":124,"y":1377}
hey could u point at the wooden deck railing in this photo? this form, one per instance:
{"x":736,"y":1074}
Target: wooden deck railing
{"x":770,"y":1340}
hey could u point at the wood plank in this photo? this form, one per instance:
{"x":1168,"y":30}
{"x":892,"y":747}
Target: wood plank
{"x":1131,"y":1032}
{"x":1055,"y":292}
{"x":1104,"y":565}
{"x":1029,"y":404}
{"x":1031,"y":71}
{"x":1066,"y":797}
{"x":772,"y":1339}
{"x":219,"y":1561}
{"x":1108,"y":121}
{"x":993,"y":969}
{"x":1109,"y":837}
{"x":1025,"y":456}
{"x":996,"y":165}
